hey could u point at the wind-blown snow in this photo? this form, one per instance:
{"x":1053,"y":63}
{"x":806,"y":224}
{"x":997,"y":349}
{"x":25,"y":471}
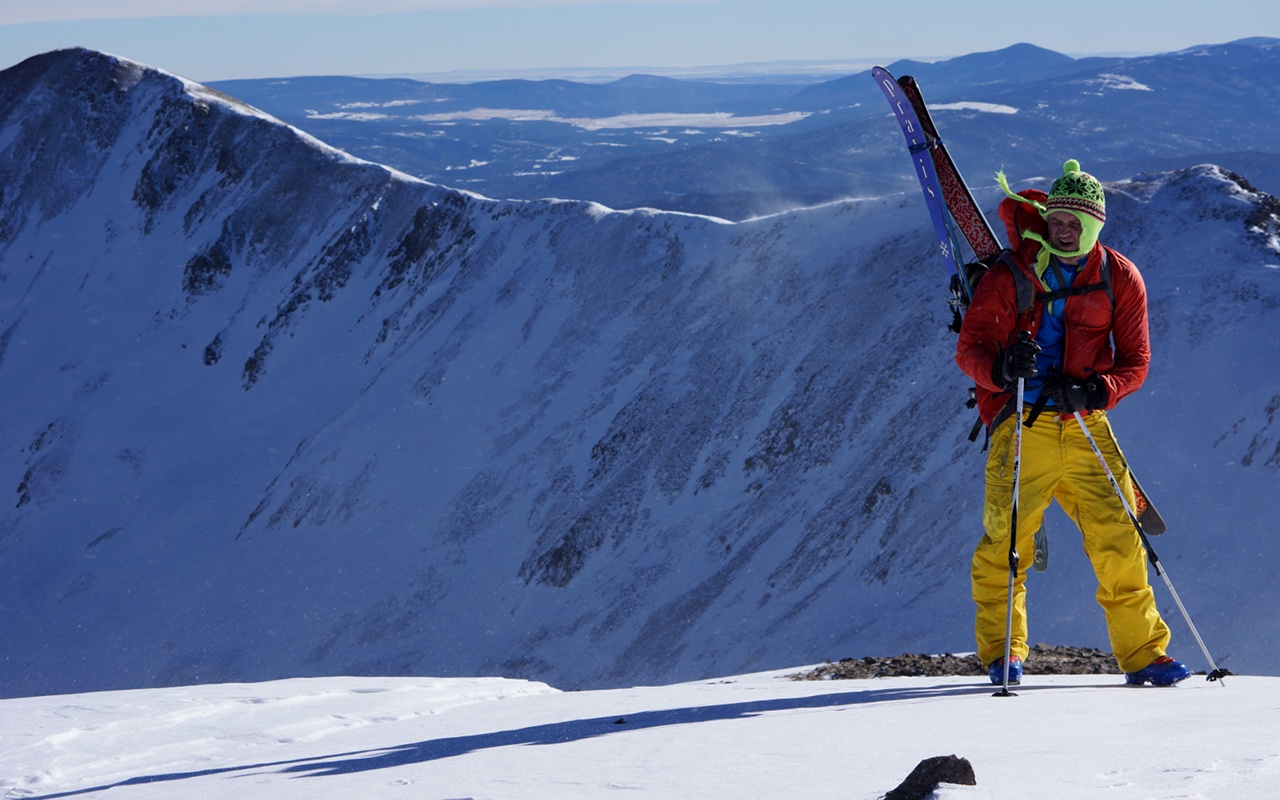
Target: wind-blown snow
{"x":272,"y":412}
{"x":650,"y":120}
{"x":751,"y":736}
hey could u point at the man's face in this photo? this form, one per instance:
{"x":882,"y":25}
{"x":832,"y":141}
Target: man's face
{"x":1064,"y":231}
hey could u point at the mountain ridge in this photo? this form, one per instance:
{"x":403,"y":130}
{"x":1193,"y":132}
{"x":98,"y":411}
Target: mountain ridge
{"x":1093,"y":106}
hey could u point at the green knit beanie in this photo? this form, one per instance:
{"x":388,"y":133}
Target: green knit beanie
{"x":1076,"y":192}
{"x":1081,"y":194}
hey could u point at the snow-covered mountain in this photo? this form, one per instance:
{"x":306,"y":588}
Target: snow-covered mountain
{"x":271,"y":411}
{"x":738,"y":150}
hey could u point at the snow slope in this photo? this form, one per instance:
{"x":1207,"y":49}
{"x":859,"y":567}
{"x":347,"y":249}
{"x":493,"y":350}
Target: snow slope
{"x":271,"y":411}
{"x":757,"y":735}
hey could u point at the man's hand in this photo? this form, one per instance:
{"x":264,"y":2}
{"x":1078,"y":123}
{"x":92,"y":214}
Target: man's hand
{"x":1018,"y":360}
{"x":1071,"y":395}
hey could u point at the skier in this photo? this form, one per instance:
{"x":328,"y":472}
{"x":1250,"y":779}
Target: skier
{"x":1087,"y":349}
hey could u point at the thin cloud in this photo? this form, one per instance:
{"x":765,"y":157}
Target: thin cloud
{"x":13,"y":13}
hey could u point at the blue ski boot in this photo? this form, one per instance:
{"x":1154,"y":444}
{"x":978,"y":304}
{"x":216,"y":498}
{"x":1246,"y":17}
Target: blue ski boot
{"x":1164,"y":671}
{"x":995,"y":671}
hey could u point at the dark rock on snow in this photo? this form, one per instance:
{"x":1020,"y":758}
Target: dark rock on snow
{"x":931,"y":772}
{"x":1043,"y":660}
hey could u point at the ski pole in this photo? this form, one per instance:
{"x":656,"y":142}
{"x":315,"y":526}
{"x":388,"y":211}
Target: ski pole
{"x":1013,"y":538}
{"x":1215,"y":673}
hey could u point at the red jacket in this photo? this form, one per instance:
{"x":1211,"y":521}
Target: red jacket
{"x":1099,"y":338}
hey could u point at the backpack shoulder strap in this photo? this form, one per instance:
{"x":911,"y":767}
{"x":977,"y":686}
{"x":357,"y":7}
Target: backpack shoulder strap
{"x":1024,"y":291}
{"x":1105,"y":275}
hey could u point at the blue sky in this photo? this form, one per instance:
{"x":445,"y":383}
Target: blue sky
{"x":223,"y":39}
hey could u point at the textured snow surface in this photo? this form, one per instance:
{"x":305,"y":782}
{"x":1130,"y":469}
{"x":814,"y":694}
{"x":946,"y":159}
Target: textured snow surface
{"x":751,"y":736}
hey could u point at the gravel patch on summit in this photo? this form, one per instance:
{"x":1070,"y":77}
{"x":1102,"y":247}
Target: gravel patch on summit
{"x":1042,"y":660}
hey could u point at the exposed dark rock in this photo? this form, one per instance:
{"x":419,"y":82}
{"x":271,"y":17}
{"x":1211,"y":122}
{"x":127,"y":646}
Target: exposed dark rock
{"x":1043,"y":660}
{"x":931,"y":772}
{"x":213,"y":351}
{"x":205,"y":271}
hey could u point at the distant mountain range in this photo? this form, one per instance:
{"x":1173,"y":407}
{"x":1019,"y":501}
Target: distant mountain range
{"x":271,"y":410}
{"x":775,"y":146}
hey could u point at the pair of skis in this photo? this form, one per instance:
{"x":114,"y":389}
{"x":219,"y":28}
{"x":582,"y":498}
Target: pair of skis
{"x":952,"y":209}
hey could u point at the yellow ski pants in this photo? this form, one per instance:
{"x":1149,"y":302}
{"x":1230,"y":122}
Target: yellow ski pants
{"x":1058,"y":463}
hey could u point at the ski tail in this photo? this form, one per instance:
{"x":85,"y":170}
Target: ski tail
{"x":1148,"y":516}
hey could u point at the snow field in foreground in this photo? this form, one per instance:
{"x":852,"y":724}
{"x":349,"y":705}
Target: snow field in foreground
{"x":750,"y":736}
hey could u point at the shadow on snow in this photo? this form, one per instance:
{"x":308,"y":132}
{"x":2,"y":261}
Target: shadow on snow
{"x":359,"y":761}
